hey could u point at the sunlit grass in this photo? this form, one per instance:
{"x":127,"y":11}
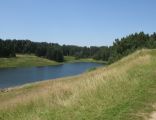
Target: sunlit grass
{"x":25,"y":60}
{"x":73,"y":59}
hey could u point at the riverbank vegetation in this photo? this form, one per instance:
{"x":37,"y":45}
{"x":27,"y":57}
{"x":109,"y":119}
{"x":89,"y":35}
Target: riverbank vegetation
{"x":120,"y":48}
{"x":72,"y":59}
{"x":124,"y":90}
{"x":30,"y":60}
{"x":25,"y":60}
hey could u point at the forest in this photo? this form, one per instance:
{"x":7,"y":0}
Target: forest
{"x":53,"y":51}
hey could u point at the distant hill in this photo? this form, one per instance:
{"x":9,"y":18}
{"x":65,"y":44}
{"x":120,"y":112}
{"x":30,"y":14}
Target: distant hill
{"x":25,"y":60}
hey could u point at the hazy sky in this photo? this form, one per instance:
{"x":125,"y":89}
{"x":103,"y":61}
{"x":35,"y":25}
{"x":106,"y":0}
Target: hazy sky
{"x":79,"y":22}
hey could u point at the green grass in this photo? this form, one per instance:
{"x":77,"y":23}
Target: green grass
{"x":69,"y":58}
{"x":73,"y":59}
{"x":25,"y":61}
{"x":125,"y":90}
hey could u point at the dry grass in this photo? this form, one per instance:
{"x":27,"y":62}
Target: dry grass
{"x":88,"y":96}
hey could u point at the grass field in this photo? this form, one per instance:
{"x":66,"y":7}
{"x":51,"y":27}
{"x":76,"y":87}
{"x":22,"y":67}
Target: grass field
{"x":25,"y":60}
{"x":72,"y":59}
{"x":125,"y":90}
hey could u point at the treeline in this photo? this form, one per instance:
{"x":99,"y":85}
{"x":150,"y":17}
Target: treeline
{"x":53,"y":51}
{"x":121,"y":47}
{"x":126,"y":45}
{"x":9,"y":48}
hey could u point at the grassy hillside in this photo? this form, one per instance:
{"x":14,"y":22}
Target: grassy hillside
{"x":73,"y":59}
{"x":125,"y":90}
{"x":25,"y":61}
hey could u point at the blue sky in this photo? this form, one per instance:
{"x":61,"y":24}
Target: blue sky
{"x":78,"y":22}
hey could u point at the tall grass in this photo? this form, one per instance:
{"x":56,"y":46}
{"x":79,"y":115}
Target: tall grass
{"x":125,"y":90}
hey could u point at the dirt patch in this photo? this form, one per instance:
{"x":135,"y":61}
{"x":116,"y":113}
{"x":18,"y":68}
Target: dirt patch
{"x":152,"y":116}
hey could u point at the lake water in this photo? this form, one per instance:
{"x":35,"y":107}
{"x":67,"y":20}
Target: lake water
{"x":10,"y":77}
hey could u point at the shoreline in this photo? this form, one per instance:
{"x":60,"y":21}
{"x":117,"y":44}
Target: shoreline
{"x":25,"y":60}
{"x":5,"y":88}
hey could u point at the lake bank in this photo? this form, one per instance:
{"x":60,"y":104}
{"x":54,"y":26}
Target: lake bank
{"x":25,"y":60}
{"x":10,"y":77}
{"x":124,"y":90}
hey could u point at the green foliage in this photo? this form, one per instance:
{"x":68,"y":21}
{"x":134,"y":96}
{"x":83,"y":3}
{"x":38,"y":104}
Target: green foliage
{"x":55,"y":54}
{"x":7,"y":49}
{"x":102,"y":54}
{"x":131,"y":43}
{"x":120,"y":48}
{"x":126,"y":45}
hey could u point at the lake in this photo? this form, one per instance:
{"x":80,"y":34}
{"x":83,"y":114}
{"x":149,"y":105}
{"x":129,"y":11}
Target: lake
{"x":10,"y":77}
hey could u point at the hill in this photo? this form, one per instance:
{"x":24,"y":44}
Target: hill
{"x":29,"y":60}
{"x":125,"y":90}
{"x":25,"y":60}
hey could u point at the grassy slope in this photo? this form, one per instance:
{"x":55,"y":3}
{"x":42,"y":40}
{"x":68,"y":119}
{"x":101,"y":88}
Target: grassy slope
{"x":31,"y":60}
{"x":25,"y":61}
{"x":125,"y":90}
{"x":73,"y":59}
